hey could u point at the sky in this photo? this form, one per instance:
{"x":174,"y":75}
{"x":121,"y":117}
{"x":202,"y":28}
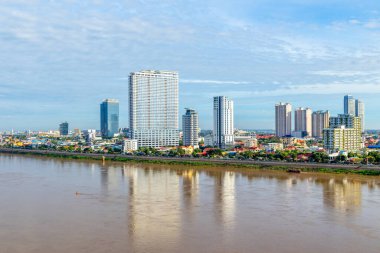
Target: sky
{"x":61,"y":58}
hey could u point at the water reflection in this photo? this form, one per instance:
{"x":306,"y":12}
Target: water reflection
{"x":153,"y":208}
{"x":343,"y":195}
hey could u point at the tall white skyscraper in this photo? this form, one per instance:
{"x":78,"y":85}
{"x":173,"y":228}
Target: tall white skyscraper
{"x":223,"y":122}
{"x":302,"y":120}
{"x":190,"y":128}
{"x":320,"y":121}
{"x":359,"y":111}
{"x":283,"y":119}
{"x":153,"y":108}
{"x":349,"y":105}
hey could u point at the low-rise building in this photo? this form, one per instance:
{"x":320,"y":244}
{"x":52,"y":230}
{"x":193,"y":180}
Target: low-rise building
{"x":130,"y":145}
{"x":272,"y":147}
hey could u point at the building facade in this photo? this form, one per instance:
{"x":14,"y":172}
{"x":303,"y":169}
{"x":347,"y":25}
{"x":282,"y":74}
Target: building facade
{"x":344,"y":133}
{"x":153,"y":108}
{"x":130,"y":145}
{"x":302,"y":120}
{"x":109,"y":118}
{"x":283,"y":114}
{"x":223,"y":134}
{"x":190,"y":128}
{"x":359,"y":111}
{"x":320,"y":121}
{"x":64,"y":129}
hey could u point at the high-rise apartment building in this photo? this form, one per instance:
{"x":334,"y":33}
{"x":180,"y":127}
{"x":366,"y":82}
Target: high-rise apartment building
{"x":320,"y":121}
{"x":344,"y":133}
{"x":359,"y":111}
{"x":283,"y":116}
{"x":223,"y":134}
{"x":64,"y":129}
{"x":153,"y":108}
{"x":109,"y":118}
{"x":349,"y":105}
{"x":302,"y":121}
{"x":190,"y":128}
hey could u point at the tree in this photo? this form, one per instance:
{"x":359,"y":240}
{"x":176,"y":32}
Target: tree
{"x":341,"y":158}
{"x":320,"y":157}
{"x":214,"y":152}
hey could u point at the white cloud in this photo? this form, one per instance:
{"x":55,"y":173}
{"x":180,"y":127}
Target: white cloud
{"x":322,"y":89}
{"x":335,"y":73}
{"x":197,"y":81}
{"x":372,"y":24}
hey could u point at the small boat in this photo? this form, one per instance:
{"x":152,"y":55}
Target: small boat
{"x":293,"y":171}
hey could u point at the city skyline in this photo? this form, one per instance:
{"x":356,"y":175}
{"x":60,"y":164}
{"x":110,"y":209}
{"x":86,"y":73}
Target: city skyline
{"x":63,"y":57}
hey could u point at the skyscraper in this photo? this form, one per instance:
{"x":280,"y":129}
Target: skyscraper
{"x":109,"y":118}
{"x":64,"y":129}
{"x":302,"y":121}
{"x":283,"y":119}
{"x":359,"y":111}
{"x":320,"y":121}
{"x":190,"y":128}
{"x":223,"y":134}
{"x":349,"y":105}
{"x":153,"y":108}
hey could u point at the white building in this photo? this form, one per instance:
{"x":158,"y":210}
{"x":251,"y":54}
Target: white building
{"x":190,"y":128}
{"x":272,"y":147}
{"x":283,"y":119}
{"x":89,"y":135}
{"x":130,"y":145}
{"x":320,"y":121}
{"x":153,"y":108}
{"x":223,"y":122}
{"x":208,"y":141}
{"x":302,"y":121}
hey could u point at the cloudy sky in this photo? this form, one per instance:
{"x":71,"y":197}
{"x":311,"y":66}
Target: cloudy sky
{"x":60,"y":58}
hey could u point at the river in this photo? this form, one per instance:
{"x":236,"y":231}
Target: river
{"x":55,"y":205}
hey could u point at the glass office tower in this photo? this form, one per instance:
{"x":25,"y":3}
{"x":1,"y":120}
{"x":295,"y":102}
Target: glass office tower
{"x":64,"y":129}
{"x":109,"y":118}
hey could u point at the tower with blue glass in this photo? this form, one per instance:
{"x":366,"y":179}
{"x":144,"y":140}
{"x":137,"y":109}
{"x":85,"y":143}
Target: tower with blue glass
{"x":109,"y":118}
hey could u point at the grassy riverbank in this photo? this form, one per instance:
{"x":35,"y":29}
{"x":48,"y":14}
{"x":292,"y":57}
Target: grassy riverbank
{"x":232,"y":164}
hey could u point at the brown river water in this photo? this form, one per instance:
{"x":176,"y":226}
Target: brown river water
{"x":53,"y":205}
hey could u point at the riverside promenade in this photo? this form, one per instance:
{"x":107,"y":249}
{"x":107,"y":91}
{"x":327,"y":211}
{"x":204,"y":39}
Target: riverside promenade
{"x":202,"y":161}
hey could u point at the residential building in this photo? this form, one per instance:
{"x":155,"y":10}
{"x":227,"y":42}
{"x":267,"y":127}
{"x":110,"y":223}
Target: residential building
{"x":320,"y":121}
{"x":273,"y":147}
{"x":344,"y":133}
{"x":190,"y":128}
{"x":349,"y":105}
{"x":250,"y":143}
{"x":223,"y":122}
{"x":109,"y":118}
{"x":302,"y":120}
{"x":153,"y":108}
{"x":64,"y":129}
{"x":130,"y":145}
{"x":283,"y":116}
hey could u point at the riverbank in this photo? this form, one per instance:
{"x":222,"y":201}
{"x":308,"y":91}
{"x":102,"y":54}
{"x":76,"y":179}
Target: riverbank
{"x":236,"y":164}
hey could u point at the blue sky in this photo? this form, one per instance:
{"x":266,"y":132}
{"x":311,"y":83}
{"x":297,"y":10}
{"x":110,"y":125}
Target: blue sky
{"x":61,"y":58}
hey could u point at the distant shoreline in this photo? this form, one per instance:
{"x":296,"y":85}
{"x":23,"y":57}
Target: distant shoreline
{"x":246,"y":164}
